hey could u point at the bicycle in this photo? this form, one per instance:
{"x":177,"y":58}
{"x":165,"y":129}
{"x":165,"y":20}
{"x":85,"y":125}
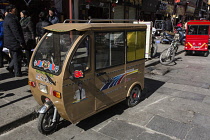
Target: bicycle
{"x":167,"y":55}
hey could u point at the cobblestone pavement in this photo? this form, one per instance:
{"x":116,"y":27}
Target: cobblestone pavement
{"x":176,"y":106}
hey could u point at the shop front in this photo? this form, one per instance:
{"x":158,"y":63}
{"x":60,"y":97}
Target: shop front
{"x":149,"y":8}
{"x":94,"y":9}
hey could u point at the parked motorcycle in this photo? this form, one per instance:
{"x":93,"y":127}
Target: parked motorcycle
{"x":167,"y":37}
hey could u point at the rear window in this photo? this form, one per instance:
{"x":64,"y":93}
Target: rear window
{"x":198,"y":29}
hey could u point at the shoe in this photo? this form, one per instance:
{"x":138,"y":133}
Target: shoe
{"x":10,"y":70}
{"x":19,"y":75}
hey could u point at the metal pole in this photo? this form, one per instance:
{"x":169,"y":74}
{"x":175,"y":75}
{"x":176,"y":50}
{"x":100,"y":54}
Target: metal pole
{"x":70,"y":10}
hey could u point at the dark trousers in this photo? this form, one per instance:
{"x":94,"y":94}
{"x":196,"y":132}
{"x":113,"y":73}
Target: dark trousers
{"x":16,"y":61}
{"x":1,"y":57}
{"x":28,"y":54}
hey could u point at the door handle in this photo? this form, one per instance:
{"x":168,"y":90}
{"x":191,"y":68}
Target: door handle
{"x":101,"y":73}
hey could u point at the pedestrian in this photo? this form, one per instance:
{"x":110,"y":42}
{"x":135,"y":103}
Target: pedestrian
{"x":43,"y":22}
{"x":168,"y":25}
{"x":13,"y":40}
{"x":28,"y":33}
{"x":1,"y":40}
{"x":52,"y":17}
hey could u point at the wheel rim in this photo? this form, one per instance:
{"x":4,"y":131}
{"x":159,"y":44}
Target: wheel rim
{"x":47,"y":124}
{"x":135,"y":95}
{"x":166,"y":56}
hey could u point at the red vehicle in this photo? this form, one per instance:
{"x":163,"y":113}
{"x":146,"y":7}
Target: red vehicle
{"x":197,"y":37}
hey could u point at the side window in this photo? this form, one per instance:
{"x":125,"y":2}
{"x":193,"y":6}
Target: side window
{"x":110,"y":49}
{"x":136,"y":42}
{"x":81,"y":58}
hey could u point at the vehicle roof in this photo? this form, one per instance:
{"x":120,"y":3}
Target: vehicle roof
{"x":199,"y":22}
{"x":64,"y":27}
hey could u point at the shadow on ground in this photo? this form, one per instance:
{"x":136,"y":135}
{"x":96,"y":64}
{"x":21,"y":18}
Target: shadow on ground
{"x":13,"y":84}
{"x":150,"y":87}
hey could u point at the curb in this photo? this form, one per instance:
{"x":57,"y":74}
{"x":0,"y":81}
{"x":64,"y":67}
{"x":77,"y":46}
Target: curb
{"x":18,"y":122}
{"x":158,"y":61}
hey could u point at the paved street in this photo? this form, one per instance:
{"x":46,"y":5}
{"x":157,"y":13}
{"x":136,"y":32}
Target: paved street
{"x":175,"y":107}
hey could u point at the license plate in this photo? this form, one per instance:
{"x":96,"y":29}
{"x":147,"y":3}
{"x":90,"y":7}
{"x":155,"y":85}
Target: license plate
{"x":196,"y":46}
{"x":43,"y":88}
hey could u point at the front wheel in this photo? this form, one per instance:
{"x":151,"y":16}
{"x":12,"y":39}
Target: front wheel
{"x":135,"y":96}
{"x":167,"y":56}
{"x":45,"y":123}
{"x":206,"y":53}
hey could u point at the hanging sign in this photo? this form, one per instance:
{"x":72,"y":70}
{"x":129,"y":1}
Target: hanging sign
{"x":27,"y":2}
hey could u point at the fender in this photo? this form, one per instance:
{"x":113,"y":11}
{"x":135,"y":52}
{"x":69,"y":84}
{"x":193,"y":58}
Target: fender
{"x":43,"y":109}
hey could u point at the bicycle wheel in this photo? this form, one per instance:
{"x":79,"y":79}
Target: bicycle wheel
{"x":154,"y":50}
{"x":167,"y":56}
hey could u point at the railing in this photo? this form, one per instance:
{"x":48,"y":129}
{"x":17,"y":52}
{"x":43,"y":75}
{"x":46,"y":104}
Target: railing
{"x":100,"y":20}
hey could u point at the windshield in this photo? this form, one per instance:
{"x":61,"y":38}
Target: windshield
{"x":52,"y":51}
{"x":198,"y":29}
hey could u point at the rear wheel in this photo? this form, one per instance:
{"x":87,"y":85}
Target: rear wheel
{"x":135,"y":96}
{"x":167,"y":56}
{"x":45,"y":124}
{"x":206,"y":53}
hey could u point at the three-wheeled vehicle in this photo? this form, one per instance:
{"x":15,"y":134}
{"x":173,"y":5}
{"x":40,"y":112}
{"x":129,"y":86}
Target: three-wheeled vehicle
{"x":79,"y":69}
{"x":197,"y":37}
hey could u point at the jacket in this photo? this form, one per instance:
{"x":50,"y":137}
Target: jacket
{"x":40,"y":31}
{"x":53,"y":19}
{"x":13,"y":36}
{"x":28,"y":30}
{"x":1,"y":34}
{"x":168,"y":25}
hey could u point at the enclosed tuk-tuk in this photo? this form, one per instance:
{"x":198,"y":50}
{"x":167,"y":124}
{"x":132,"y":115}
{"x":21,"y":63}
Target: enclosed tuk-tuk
{"x":197,"y":37}
{"x":79,"y":69}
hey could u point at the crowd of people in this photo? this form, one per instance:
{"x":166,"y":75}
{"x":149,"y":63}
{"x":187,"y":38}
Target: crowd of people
{"x":18,"y":35}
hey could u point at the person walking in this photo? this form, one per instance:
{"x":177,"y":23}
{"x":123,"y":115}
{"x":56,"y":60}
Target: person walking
{"x":1,"y":40}
{"x":52,"y":17}
{"x":28,"y":33}
{"x":168,"y":25}
{"x":43,"y":22}
{"x":13,"y":40}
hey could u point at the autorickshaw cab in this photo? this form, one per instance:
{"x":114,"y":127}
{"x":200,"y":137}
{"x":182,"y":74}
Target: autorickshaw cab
{"x":84,"y":68}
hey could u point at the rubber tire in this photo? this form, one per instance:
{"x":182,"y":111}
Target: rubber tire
{"x":130,"y":101}
{"x":176,"y":49}
{"x":48,"y":115}
{"x":154,"y":50}
{"x":206,"y":54}
{"x":187,"y":53}
{"x":171,"y":58}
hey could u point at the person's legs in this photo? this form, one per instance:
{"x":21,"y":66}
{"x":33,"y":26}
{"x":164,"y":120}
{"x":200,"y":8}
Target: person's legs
{"x":11,"y":64}
{"x":28,"y":56}
{"x":16,"y":62}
